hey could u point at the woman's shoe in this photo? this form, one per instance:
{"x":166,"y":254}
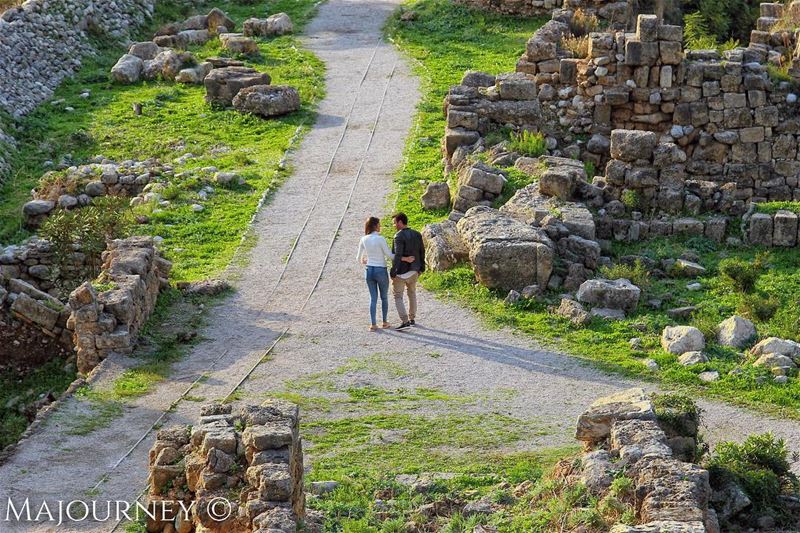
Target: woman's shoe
{"x":386,"y":325}
{"x":373,"y":327}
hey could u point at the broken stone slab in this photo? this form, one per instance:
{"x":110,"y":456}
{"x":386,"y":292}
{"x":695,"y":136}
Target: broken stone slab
{"x":267,"y":100}
{"x":444,"y":247}
{"x":223,"y":84}
{"x":594,"y":425}
{"x":35,"y":311}
{"x":237,"y":43}
{"x":274,"y":25}
{"x":613,"y":294}
{"x":573,"y":311}
{"x":506,"y":253}
{"x":682,"y":339}
{"x":436,"y":196}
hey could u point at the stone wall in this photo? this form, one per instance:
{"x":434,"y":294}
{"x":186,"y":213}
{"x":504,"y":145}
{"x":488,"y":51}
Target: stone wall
{"x":615,"y":13}
{"x":250,"y":462}
{"x":33,"y":261}
{"x":37,"y":308}
{"x":108,"y":321}
{"x":43,"y":41}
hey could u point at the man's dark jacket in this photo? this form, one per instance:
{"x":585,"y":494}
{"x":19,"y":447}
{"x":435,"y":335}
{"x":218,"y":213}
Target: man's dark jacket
{"x":407,"y":242}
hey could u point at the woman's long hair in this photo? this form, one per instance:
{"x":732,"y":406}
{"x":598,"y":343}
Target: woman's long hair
{"x":371,"y":225}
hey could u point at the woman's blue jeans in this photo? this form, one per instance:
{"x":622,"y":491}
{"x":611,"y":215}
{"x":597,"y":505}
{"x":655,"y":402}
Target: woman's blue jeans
{"x":378,"y":281}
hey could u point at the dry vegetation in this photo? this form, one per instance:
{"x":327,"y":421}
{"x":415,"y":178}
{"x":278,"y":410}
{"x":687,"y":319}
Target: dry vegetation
{"x":5,"y":4}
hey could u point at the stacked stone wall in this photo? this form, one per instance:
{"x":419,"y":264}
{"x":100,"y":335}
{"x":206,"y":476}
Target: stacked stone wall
{"x":236,"y":472}
{"x":108,"y":321}
{"x":611,"y":12}
{"x":779,"y":229}
{"x":43,"y":41}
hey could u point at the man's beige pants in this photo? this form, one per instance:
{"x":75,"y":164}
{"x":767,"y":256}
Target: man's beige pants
{"x":410,"y":285}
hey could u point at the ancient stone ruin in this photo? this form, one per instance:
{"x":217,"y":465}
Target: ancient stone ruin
{"x":641,"y":139}
{"x":622,"y":436}
{"x":236,"y":471}
{"x":165,"y":57}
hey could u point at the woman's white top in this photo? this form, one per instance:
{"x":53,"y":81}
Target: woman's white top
{"x":374,"y":245}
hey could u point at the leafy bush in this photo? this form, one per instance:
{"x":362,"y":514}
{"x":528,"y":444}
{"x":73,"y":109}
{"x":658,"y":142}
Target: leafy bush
{"x":636,"y":273}
{"x":760,"y":466}
{"x":86,"y":230}
{"x":742,"y":275}
{"x":758,"y":307}
{"x":529,"y":143}
{"x":698,"y":36}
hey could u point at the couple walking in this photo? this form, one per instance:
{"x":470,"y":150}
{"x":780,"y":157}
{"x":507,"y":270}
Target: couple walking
{"x":408,"y":262}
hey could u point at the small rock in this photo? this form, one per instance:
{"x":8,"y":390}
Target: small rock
{"x":708,"y":377}
{"x":694,"y":286}
{"x":436,"y":196}
{"x":197,"y":208}
{"x":682,"y":339}
{"x":692,"y":358}
{"x":735,"y":331}
{"x":512,"y":298}
{"x":635,"y":343}
{"x":651,"y":365}
{"x":323,"y":487}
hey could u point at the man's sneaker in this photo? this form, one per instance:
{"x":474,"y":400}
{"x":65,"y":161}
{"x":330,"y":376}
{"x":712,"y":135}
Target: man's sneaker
{"x":404,"y":325}
{"x":412,"y":322}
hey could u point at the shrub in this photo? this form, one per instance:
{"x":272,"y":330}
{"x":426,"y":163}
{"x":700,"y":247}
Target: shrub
{"x":529,"y":143}
{"x":706,"y":318}
{"x":86,"y":230}
{"x":636,"y":273}
{"x":578,"y":46}
{"x":742,"y":275}
{"x":758,"y":307}
{"x":583,"y":23}
{"x":760,"y":466}
{"x":698,"y":36}
{"x":591,"y":171}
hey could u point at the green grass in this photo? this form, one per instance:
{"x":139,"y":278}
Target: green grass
{"x":54,"y":376}
{"x":174,"y":115}
{"x":773,"y":207}
{"x":444,"y":41}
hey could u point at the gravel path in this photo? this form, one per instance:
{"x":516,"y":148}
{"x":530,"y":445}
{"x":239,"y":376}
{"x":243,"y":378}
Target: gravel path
{"x":450,"y":350}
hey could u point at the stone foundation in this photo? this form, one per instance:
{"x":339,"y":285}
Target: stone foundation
{"x":236,"y":471}
{"x":109,"y":321}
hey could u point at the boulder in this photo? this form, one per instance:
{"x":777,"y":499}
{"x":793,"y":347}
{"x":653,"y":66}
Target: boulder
{"x":617,"y":294}
{"x":573,"y":311}
{"x":278,"y":24}
{"x":775,"y":360}
{"x":776,"y":345}
{"x":267,"y":100}
{"x":595,"y":424}
{"x":682,"y":339}
{"x":688,"y":269}
{"x":219,"y":22}
{"x":144,"y":50}
{"x":222,"y":84}
{"x":128,"y":69}
{"x":735,"y":331}
{"x":37,"y":207}
{"x":436,"y":196}
{"x":444,"y":247}
{"x":237,"y":43}
{"x":506,"y":253}
{"x":194,"y":75}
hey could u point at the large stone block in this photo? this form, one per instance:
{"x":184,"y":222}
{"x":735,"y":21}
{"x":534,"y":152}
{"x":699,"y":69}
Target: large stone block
{"x":612,"y":294}
{"x":784,"y":231}
{"x":760,"y":233}
{"x":630,"y":145}
{"x":594,"y":425}
{"x":222,"y":84}
{"x":444,"y":247}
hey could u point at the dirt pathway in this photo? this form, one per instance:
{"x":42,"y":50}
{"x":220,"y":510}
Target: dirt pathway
{"x":360,"y":133}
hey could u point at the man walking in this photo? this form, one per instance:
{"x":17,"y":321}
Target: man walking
{"x":407,"y":243}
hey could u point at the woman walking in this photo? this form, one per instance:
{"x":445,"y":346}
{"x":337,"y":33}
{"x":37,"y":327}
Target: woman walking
{"x":373,"y":252}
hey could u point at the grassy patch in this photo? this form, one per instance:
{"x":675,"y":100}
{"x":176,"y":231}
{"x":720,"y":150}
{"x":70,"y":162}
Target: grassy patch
{"x":52,"y":377}
{"x":444,"y":40}
{"x":175,"y":120}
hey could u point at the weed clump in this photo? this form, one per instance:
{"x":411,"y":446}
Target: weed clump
{"x":741,"y":275}
{"x":529,"y":143}
{"x":761,"y":467}
{"x":636,"y":273}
